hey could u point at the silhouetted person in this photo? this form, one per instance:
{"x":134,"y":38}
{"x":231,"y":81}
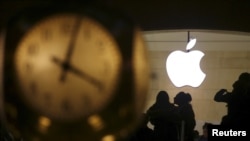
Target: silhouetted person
{"x":237,"y":102}
{"x":143,"y":132}
{"x":224,"y":96}
{"x":163,"y":116}
{"x":187,"y":114}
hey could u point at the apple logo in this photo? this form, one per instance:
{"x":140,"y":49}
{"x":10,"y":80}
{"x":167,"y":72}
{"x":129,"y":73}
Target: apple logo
{"x":183,"y":68}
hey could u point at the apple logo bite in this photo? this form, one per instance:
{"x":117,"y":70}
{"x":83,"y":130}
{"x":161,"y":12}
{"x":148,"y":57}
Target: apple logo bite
{"x":183,"y":68}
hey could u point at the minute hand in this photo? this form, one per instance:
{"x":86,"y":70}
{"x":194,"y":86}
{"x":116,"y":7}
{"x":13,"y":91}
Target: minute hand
{"x":71,"y":46}
{"x":85,"y":76}
{"x":80,"y":73}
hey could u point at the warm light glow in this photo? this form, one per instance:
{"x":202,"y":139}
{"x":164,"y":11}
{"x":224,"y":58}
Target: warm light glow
{"x":183,"y":68}
{"x":108,"y":138}
{"x":44,"y":123}
{"x":96,"y":122}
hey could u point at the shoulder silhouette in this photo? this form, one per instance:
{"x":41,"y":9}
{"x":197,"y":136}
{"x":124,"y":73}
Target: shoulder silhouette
{"x":185,"y":110}
{"x":238,"y":102}
{"x":164,"y":117}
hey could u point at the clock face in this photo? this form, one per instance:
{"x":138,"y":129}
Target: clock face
{"x":67,"y":66}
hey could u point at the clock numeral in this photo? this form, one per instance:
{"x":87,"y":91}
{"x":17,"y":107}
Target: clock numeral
{"x":86,"y":103}
{"x":106,"y":68}
{"x":32,"y":49}
{"x":33,"y":87}
{"x":66,"y":29}
{"x":66,"y":106}
{"x":86,"y":34}
{"x":46,"y":34}
{"x":100,"y":46}
{"x":47,"y":98}
{"x":28,"y":67}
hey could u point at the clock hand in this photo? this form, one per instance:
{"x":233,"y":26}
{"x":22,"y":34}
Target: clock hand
{"x":66,"y":63}
{"x":86,"y":77}
{"x":78,"y":72}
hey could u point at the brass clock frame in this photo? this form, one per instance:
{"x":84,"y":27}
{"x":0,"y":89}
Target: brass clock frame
{"x":116,"y":120}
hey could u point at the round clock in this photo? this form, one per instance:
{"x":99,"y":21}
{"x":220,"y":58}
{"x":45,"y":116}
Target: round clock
{"x":73,"y":74}
{"x":78,"y":56}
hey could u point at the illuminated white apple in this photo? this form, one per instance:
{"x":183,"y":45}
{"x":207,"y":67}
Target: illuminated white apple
{"x":183,"y":68}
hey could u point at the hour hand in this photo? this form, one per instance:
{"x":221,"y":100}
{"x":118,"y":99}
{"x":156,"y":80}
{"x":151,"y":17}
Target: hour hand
{"x":64,"y":65}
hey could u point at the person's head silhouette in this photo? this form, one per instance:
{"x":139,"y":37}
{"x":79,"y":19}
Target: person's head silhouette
{"x":182,"y":98}
{"x":162,"y":97}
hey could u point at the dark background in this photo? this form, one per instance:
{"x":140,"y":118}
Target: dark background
{"x":233,"y":15}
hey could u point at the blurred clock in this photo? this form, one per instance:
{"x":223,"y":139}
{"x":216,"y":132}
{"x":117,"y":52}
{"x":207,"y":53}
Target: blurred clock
{"x":75,"y":73}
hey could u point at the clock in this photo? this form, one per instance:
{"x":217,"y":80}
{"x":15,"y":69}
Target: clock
{"x":80,"y":59}
{"x":75,"y":73}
